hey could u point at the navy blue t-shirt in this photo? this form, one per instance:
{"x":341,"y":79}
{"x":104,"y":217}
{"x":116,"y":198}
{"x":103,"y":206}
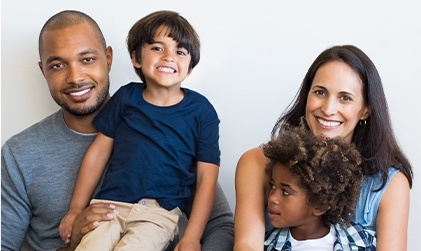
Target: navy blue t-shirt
{"x":156,"y":148}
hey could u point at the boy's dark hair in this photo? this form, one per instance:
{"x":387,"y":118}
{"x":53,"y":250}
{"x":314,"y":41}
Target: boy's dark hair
{"x":179,"y":29}
{"x":327,"y":169}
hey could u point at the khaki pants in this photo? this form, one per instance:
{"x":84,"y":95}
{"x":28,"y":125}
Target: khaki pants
{"x":142,"y":226}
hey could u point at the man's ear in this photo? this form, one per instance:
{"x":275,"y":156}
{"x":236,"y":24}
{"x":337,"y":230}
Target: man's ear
{"x":109,"y":55}
{"x":41,"y":68}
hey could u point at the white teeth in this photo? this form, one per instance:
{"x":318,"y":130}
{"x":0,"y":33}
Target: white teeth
{"x":80,"y":93}
{"x":328,"y":124}
{"x":164,"y":69}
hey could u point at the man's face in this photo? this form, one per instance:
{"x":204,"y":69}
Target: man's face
{"x":76,"y":66}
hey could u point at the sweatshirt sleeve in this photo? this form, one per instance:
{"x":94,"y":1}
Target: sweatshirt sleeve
{"x":15,"y":205}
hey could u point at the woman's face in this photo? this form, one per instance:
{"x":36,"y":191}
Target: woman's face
{"x":335,"y":102}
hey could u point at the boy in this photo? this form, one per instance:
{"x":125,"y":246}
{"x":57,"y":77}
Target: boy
{"x":159,"y":138}
{"x":315,"y":184}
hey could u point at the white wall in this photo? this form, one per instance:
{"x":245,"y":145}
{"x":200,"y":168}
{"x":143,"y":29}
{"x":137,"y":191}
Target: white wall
{"x":254,"y":56}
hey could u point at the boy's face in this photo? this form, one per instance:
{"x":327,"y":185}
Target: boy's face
{"x":287,"y":203}
{"x":163,"y":64}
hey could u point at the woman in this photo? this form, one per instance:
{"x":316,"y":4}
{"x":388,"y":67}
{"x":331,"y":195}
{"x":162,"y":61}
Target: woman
{"x":340,"y":96}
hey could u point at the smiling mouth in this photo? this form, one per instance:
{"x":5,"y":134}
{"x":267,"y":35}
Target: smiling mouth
{"x":328,"y":123}
{"x":79,"y":93}
{"x":166,"y":69}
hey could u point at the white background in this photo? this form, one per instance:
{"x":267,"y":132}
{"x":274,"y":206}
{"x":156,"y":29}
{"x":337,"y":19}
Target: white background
{"x":254,"y":57}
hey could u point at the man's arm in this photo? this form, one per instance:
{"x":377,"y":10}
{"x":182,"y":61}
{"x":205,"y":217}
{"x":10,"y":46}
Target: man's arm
{"x":15,"y":207}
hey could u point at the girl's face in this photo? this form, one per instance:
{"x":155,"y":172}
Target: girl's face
{"x":287,"y":203}
{"x":335,"y":102}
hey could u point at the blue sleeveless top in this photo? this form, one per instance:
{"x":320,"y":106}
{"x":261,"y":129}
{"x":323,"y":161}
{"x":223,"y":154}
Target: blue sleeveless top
{"x":368,"y":204}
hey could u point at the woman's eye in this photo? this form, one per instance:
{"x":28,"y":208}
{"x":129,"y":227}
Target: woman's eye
{"x":346,"y":98}
{"x":319,"y":92}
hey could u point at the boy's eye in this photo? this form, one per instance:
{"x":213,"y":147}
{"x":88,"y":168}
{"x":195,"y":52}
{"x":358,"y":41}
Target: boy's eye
{"x":156,"y":48}
{"x":285,"y":192}
{"x":182,"y":53}
{"x":272,"y":186}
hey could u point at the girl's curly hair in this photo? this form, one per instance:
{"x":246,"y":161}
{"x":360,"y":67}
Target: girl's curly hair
{"x":329,"y":170}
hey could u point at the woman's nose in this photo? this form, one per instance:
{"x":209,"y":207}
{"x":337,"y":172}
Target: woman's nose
{"x":329,"y":107}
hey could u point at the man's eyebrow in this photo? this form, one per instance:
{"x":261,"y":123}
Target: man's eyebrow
{"x":80,"y":54}
{"x":53,"y":58}
{"x":88,"y":51}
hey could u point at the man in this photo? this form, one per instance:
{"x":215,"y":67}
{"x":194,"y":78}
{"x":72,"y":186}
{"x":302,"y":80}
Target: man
{"x":40,"y":164}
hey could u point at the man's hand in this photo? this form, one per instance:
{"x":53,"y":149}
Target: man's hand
{"x":89,"y":219}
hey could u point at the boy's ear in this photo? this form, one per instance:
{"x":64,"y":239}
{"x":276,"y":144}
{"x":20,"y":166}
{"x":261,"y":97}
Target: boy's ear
{"x":135,"y":60}
{"x":319,"y":212}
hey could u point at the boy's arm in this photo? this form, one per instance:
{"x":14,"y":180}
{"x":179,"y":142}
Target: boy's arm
{"x":90,"y":173}
{"x":219,"y":231}
{"x":207,"y":175}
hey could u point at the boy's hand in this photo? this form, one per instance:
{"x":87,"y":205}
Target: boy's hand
{"x":188,"y":245}
{"x":66,"y":225}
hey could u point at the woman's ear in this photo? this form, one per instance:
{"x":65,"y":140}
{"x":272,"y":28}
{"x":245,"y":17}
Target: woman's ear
{"x":365,"y":114}
{"x":135,"y":60}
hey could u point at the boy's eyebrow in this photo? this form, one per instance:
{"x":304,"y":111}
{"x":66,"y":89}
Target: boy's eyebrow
{"x":286,"y":185}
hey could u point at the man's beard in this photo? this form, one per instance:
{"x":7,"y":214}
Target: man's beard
{"x":86,"y":110}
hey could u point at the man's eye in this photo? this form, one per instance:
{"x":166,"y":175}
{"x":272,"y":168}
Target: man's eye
{"x":88,"y":60}
{"x":56,"y":66}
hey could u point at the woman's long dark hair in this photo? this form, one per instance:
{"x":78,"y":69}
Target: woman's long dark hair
{"x":375,"y":140}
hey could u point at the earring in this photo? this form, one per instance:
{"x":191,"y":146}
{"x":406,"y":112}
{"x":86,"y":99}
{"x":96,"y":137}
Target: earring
{"x":363,"y":122}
